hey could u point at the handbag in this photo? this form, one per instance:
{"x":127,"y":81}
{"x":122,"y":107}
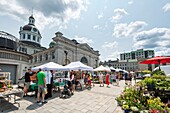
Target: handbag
{"x":45,"y":91}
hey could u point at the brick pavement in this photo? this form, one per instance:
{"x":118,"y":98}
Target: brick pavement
{"x":96,"y":100}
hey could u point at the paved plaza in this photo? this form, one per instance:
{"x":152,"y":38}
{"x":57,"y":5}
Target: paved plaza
{"x":96,"y":100}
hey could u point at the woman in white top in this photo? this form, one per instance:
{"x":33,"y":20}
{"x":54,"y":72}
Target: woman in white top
{"x":101,"y":78}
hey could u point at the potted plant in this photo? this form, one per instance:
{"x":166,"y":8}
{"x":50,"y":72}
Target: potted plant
{"x":150,"y":82}
{"x":126,"y":108}
{"x":156,"y":106}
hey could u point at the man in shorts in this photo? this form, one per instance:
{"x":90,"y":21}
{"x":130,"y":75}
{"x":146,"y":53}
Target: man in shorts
{"x":27,"y":81}
{"x":41,"y":86}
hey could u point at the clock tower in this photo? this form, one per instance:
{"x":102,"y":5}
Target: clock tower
{"x":29,"y":34}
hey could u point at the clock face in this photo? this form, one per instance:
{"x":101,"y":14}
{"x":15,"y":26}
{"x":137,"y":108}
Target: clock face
{"x":34,"y":29}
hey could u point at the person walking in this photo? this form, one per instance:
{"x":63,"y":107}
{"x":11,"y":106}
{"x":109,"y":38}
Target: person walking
{"x":27,"y":82}
{"x":117,"y":78}
{"x":107,"y":79}
{"x":72,"y":79}
{"x":101,"y":78}
{"x":49,"y":85}
{"x":41,"y":77}
{"x":126,"y":78}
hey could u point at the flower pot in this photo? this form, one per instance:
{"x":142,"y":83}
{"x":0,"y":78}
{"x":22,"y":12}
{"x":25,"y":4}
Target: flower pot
{"x":126,"y":111}
{"x":150,"y":87}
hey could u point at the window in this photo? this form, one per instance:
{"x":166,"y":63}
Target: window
{"x":38,"y":40}
{"x":23,"y":36}
{"x":34,"y":38}
{"x":35,"y":58}
{"x":46,"y":56}
{"x":53,"y":55}
{"x":29,"y":37}
{"x":40,"y":57}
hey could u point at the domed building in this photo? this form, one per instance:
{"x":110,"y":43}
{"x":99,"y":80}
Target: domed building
{"x":17,"y":55}
{"x":30,"y":38}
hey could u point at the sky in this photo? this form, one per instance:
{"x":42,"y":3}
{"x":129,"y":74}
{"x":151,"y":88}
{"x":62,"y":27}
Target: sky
{"x":109,"y":26}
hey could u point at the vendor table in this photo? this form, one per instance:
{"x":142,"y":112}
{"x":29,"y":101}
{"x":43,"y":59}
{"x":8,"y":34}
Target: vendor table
{"x":59,"y":84}
{"x":33,"y":87}
{"x":11,"y":94}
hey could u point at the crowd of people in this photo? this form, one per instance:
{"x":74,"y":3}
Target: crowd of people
{"x":114,"y":78}
{"x":45,"y":82}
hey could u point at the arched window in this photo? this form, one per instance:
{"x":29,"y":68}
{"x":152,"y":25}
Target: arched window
{"x":84,"y":60}
{"x":40,"y":57}
{"x":53,"y":54}
{"x":46,"y":56}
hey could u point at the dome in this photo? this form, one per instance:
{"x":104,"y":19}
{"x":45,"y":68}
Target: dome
{"x":31,"y":28}
{"x":31,"y":17}
{"x":52,"y":44}
{"x":8,"y":41}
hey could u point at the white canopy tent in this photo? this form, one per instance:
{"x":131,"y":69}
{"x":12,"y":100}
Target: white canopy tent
{"x":112,"y":68}
{"x":78,"y":66}
{"x":50,"y":66}
{"x":102,"y":68}
{"x":118,"y":70}
{"x":125,"y":71}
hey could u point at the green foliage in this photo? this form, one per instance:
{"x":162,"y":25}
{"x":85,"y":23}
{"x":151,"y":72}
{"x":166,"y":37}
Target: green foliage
{"x":146,"y":72}
{"x":149,"y":81}
{"x":158,"y":72}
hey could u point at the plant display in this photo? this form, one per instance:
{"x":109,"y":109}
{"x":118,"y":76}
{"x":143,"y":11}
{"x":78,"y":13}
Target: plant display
{"x":158,"y":72}
{"x":156,"y":104}
{"x":139,"y":98}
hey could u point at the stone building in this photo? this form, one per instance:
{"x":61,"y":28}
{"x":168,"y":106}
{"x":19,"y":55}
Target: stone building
{"x":63,"y":51}
{"x":17,"y":55}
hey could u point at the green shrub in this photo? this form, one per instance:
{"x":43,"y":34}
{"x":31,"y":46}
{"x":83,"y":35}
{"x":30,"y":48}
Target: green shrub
{"x":158,"y":72}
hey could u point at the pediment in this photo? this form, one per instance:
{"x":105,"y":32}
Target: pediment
{"x":86,"y":47}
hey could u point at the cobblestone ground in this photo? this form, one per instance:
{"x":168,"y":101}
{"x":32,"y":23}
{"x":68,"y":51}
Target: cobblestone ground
{"x":96,"y":100}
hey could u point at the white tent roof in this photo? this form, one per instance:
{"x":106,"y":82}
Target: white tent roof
{"x":112,"y":68}
{"x":101,"y":68}
{"x":78,"y":66}
{"x":49,"y":66}
{"x":118,"y":70}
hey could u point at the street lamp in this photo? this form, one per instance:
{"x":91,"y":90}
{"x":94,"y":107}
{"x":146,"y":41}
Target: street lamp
{"x":66,"y":53}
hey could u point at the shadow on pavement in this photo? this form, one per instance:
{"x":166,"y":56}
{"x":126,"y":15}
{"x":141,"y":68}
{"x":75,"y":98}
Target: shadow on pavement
{"x":6,"y":106}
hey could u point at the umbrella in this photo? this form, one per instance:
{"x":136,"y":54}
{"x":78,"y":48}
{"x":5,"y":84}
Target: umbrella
{"x":157,"y":60}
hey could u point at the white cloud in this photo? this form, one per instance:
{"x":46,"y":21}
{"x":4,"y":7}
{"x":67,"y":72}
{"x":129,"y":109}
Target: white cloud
{"x":83,"y":40}
{"x":154,"y":38}
{"x":130,"y":2}
{"x":166,"y":7}
{"x":128,"y":30}
{"x":113,"y":56}
{"x":51,"y":13}
{"x":119,"y":13}
{"x":100,"y":16}
{"x":98,"y":27}
{"x":109,"y":45}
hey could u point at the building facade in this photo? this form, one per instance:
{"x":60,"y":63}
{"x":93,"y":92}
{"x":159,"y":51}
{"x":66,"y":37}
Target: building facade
{"x":63,"y":51}
{"x":131,"y":61}
{"x":139,"y":53}
{"x":10,"y":59}
{"x":17,"y":55}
